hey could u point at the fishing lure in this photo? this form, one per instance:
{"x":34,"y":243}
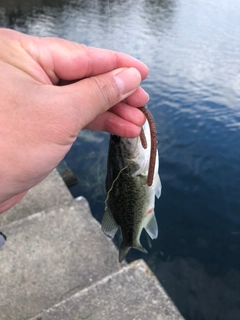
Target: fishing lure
{"x":153,"y":149}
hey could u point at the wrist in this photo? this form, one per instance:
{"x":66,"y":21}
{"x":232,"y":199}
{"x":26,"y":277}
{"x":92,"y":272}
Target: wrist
{"x":7,"y":204}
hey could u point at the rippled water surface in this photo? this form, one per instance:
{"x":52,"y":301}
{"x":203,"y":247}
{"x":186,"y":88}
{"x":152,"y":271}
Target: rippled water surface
{"x":193,"y":51}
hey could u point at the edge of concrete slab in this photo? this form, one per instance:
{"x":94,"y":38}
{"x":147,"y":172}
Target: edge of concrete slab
{"x":133,"y":292}
{"x":51,"y":255}
{"x":48,"y":193}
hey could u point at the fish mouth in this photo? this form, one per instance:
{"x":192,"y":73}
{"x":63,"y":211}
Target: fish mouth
{"x":153,"y":150}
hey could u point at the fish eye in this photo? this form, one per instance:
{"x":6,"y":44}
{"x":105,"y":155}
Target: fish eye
{"x":115,"y":138}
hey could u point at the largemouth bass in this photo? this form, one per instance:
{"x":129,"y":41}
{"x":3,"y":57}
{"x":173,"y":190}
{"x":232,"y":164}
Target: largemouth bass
{"x":130,"y":200}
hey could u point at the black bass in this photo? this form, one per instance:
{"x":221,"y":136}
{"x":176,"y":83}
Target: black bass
{"x":130,"y":200}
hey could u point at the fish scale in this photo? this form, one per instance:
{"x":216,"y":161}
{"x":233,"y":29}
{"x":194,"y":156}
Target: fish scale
{"x":130,"y":199}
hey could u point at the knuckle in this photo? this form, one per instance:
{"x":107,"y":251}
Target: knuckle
{"x":106,"y":91}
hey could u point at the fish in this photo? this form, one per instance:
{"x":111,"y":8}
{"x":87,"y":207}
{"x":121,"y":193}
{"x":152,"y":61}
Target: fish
{"x":3,"y":239}
{"x":130,"y":197}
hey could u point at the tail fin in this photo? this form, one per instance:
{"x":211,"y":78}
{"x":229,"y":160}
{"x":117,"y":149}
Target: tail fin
{"x":124,"y":250}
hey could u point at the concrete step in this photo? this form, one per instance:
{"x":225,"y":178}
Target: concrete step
{"x":130,"y":293}
{"x":49,"y":256}
{"x":50,"y":192}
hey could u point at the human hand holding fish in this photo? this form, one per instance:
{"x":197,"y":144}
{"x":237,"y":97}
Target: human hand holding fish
{"x":50,"y":90}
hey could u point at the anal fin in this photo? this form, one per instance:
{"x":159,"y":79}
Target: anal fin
{"x":152,"y":227}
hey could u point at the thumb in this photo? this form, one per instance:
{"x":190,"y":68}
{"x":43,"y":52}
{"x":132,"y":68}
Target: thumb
{"x":93,"y":96}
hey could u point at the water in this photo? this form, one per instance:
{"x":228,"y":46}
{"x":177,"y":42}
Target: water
{"x":193,"y":51}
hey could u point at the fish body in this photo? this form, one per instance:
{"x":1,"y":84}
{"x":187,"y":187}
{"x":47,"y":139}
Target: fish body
{"x":130,"y":201}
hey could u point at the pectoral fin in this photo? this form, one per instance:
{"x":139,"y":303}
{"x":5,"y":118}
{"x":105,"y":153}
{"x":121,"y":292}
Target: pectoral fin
{"x":152,"y":227}
{"x":109,"y":225}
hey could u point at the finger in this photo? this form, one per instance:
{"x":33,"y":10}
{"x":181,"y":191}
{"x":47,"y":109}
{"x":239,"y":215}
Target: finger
{"x":112,"y":123}
{"x":129,"y":113}
{"x":95,"y":95}
{"x":138,"y":99}
{"x":62,"y":59}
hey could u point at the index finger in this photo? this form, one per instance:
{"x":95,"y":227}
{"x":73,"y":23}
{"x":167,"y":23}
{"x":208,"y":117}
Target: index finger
{"x":73,"y":61}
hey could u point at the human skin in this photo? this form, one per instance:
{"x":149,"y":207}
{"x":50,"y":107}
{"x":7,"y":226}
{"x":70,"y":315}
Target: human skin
{"x":50,"y":90}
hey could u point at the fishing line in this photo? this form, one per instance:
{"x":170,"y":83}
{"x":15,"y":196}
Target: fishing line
{"x":152,"y":126}
{"x":124,"y":168}
{"x":109,"y":23}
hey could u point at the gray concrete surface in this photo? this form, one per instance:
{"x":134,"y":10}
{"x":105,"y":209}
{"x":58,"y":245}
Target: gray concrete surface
{"x":49,"y":256}
{"x":50,"y":192}
{"x":58,"y":260}
{"x":130,"y":293}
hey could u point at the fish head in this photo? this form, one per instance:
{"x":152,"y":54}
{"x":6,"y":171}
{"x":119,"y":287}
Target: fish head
{"x":125,"y":150}
{"x":123,"y":147}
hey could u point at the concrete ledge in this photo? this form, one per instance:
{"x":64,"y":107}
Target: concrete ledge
{"x":50,"y":192}
{"x":131,"y":293}
{"x":58,"y":260}
{"x":49,"y":256}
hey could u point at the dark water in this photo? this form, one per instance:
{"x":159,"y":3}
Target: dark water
{"x":193,"y":51}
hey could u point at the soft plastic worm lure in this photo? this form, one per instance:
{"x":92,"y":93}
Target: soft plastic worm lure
{"x":153,"y":149}
{"x":143,"y":139}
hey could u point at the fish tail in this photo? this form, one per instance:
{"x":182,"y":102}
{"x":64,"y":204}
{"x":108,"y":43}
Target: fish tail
{"x":140,"y":248}
{"x":124,"y":250}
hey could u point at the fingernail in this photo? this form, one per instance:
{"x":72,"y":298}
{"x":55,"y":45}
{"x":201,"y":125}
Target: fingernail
{"x":127,"y":80}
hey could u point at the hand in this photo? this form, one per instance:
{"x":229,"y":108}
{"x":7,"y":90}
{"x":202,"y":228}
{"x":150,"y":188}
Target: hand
{"x":50,"y":90}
